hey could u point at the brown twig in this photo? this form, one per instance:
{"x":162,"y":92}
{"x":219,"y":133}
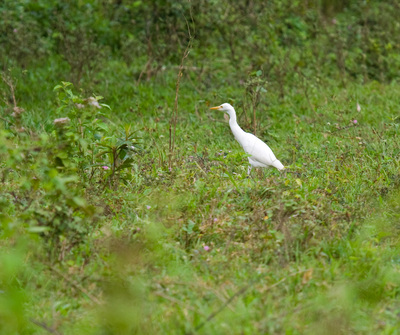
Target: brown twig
{"x":174,"y":117}
{"x":240,"y":292}
{"x":343,"y":128}
{"x":5,"y":120}
{"x":76,"y":285}
{"x":45,"y":327}
{"x":215,"y":120}
{"x":174,"y":300}
{"x":376,"y":133}
{"x":144,"y":69}
{"x":10,"y":84}
{"x":305,"y":89}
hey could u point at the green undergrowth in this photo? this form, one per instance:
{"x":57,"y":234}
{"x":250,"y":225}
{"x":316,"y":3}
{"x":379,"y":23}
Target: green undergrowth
{"x":141,"y":247}
{"x":116,"y":220}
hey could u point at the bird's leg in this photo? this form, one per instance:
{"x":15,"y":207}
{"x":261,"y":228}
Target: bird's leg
{"x":249,"y":170}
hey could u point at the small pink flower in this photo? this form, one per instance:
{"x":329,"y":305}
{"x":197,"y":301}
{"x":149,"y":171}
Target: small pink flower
{"x":93,"y":101}
{"x":148,"y":207}
{"x":206,"y":248}
{"x":355,"y":121}
{"x":215,"y":219}
{"x":105,"y":167}
{"x":15,"y":30}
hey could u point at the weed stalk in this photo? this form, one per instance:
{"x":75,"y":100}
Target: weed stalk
{"x":174,"y":116}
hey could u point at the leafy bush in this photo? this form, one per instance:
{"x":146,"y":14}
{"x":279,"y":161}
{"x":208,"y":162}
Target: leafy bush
{"x":36,"y":198}
{"x":282,"y":38}
{"x":41,"y":177}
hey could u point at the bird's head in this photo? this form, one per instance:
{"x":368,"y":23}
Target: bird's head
{"x":227,"y":108}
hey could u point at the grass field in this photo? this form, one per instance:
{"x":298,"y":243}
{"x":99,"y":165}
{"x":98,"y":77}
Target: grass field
{"x":199,"y":247}
{"x":125,"y":204}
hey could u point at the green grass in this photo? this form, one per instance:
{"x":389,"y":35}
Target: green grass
{"x":310,"y":249}
{"x":98,"y":238}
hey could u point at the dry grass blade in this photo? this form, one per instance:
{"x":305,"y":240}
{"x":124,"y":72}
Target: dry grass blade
{"x":239,"y":293}
{"x":76,"y":285}
{"x":45,"y":327}
{"x":174,"y":117}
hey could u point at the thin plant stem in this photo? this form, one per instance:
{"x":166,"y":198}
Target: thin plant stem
{"x":174,"y":117}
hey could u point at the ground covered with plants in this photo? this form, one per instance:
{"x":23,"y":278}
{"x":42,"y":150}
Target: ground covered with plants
{"x":125,"y":206}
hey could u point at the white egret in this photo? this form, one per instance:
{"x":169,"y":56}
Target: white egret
{"x":260,"y":154}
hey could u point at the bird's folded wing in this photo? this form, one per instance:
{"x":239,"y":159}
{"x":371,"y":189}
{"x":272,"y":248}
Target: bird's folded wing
{"x":259,"y":151}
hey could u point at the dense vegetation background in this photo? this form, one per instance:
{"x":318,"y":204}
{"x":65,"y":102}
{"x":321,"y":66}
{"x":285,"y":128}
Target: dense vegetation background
{"x":124,"y":202}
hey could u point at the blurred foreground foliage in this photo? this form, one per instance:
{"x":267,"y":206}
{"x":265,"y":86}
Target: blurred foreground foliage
{"x":104,"y":230}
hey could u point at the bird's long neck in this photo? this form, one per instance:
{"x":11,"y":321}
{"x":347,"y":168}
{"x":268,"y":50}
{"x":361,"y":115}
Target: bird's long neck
{"x":236,"y":130}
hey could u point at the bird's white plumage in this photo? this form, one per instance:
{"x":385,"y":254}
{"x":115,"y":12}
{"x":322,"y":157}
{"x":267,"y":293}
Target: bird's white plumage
{"x":260,"y":154}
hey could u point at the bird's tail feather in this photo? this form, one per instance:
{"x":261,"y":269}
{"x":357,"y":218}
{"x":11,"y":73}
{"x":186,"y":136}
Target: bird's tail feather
{"x":278,"y":165}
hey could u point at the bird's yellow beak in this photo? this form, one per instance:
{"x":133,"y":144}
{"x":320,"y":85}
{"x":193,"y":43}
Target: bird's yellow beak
{"x":217,"y":107}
